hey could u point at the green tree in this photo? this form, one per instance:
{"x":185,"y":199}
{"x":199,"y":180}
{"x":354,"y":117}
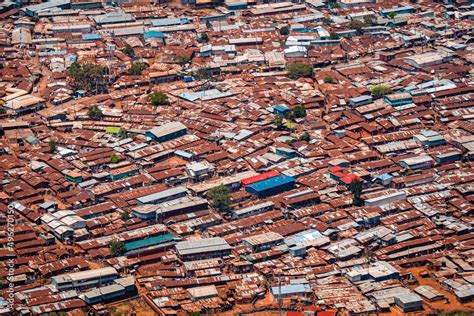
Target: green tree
{"x":335,"y":5}
{"x":122,"y":134}
{"x":208,"y":24}
{"x":181,"y":59}
{"x":333,"y":36}
{"x":117,"y":247}
{"x":285,"y":30}
{"x":220,"y":198}
{"x":158,"y":98}
{"x":278,"y":121}
{"x":128,"y":50}
{"x":328,"y":79}
{"x":392,"y":15}
{"x":356,"y":188}
{"x":357,"y":25}
{"x":299,"y":111}
{"x":203,"y":38}
{"x":114,"y":159}
{"x":305,"y":137}
{"x":380,"y":91}
{"x":2,"y":110}
{"x":87,"y":76}
{"x":137,"y":68}
{"x":94,"y":112}
{"x":125,"y":216}
{"x":53,"y":146}
{"x":299,"y":70}
{"x":369,"y":20}
{"x":203,"y":73}
{"x":327,"y":21}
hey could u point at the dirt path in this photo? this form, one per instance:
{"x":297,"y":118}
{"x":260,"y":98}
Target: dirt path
{"x":137,"y":306}
{"x":453,"y":304}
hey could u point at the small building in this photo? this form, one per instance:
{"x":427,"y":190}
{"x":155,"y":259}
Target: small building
{"x":295,"y":51}
{"x":163,"y":196}
{"x":113,"y":18}
{"x":74,"y":176}
{"x":281,"y":109}
{"x":263,"y":241}
{"x":253,"y":209}
{"x":259,"y":177}
{"x":361,"y":100}
{"x":236,"y":4}
{"x":198,"y":249}
{"x":84,"y":279}
{"x":123,"y":172}
{"x":167,"y":132}
{"x":146,"y":212}
{"x":286,"y":152}
{"x":430,"y":138}
{"x":286,"y":291}
{"x":426,"y":60}
{"x":339,"y":162}
{"x":448,"y":157}
{"x":409,"y":302}
{"x":180,"y":206}
{"x":202,"y":292}
{"x":377,"y":271}
{"x":418,"y":162}
{"x":398,"y":99}
{"x":384,"y":179}
{"x":121,"y":288}
{"x":429,"y":293}
{"x":386,"y":198}
{"x":198,"y":170}
{"x":157,"y":77}
{"x":271,"y":186}
{"x":398,"y":10}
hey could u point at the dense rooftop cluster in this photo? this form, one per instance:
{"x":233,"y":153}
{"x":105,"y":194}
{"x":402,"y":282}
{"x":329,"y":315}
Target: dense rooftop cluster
{"x":233,"y":156}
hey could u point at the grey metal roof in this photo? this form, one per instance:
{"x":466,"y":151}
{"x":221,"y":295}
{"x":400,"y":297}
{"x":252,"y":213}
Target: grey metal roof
{"x":197,"y":246}
{"x":162,"y":195}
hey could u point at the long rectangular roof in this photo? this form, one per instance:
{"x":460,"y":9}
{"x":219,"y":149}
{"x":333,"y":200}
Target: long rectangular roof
{"x":271,"y":183}
{"x":197,"y":246}
{"x":162,"y":195}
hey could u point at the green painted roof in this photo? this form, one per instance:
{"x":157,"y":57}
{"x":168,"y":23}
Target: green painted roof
{"x":113,"y":129}
{"x":148,"y":242}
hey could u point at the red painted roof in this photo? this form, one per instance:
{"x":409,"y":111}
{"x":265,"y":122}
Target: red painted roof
{"x":260,"y":177}
{"x":349,"y":178}
{"x":335,"y":169}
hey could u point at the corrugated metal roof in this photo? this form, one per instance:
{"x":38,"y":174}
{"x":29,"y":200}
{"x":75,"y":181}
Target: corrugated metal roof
{"x":271,"y":183}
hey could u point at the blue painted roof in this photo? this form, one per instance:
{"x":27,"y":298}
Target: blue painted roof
{"x":384,"y":176}
{"x":90,"y":36}
{"x":290,"y":289}
{"x":271,"y":183}
{"x":281,"y":107}
{"x":148,"y":242}
{"x":153,"y":34}
{"x":169,"y":22}
{"x":183,"y":153}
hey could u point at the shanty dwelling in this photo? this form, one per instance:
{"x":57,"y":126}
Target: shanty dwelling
{"x":409,"y":302}
{"x":84,"y":279}
{"x":199,"y":249}
{"x":263,"y":241}
{"x":167,"y":132}
{"x":120,"y":288}
{"x":291,"y":290}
